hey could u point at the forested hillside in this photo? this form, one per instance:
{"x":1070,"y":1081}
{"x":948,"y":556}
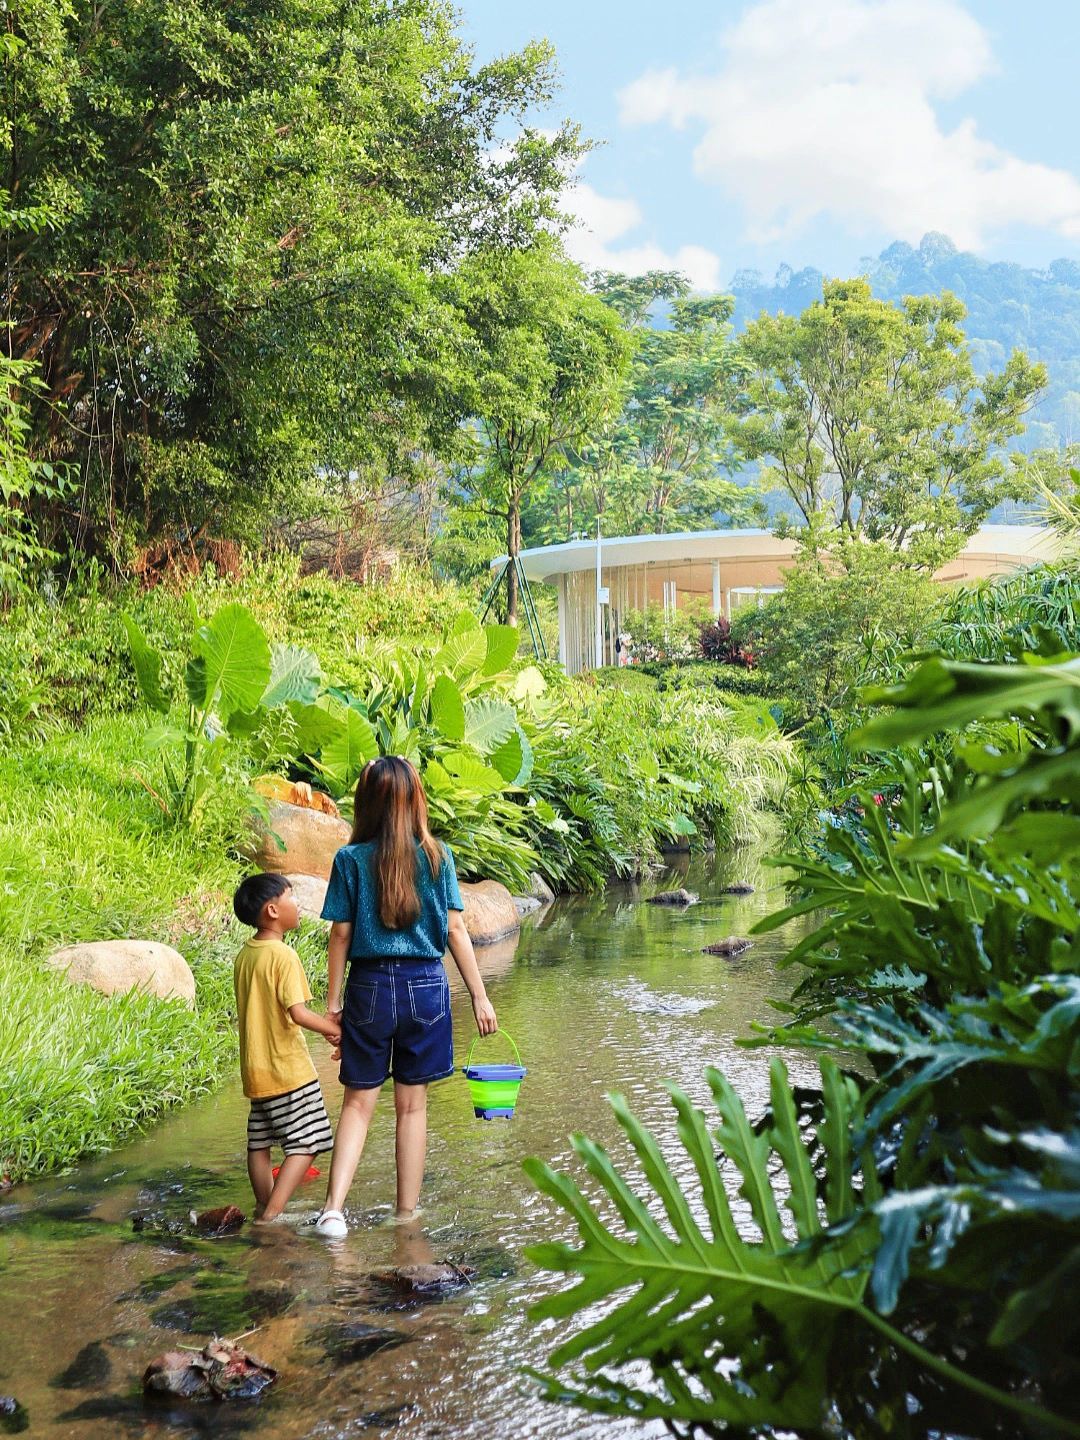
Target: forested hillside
{"x":1008,"y":305}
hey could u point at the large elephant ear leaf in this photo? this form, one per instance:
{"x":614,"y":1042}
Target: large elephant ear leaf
{"x":236,"y":659}
{"x":294,"y":676}
{"x":488,"y":724}
{"x":316,"y":726}
{"x":514,"y":758}
{"x":472,"y":774}
{"x":147,"y":662}
{"x":346,"y":754}
{"x":502,"y":646}
{"x":462,"y":655}
{"x":448,"y":708}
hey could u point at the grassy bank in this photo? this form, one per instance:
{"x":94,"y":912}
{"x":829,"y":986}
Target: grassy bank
{"x":84,"y":856}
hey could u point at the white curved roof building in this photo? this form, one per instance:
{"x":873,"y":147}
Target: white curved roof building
{"x":717,"y":569}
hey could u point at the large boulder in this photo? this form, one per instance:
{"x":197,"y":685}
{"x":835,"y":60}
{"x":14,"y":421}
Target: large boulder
{"x":117,"y":966}
{"x":311,"y":840}
{"x":310,"y":892}
{"x":490,"y":912}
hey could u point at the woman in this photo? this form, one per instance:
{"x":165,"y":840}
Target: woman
{"x":394,"y":902}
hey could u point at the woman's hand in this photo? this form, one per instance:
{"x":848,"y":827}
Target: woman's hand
{"x":484,"y":1011}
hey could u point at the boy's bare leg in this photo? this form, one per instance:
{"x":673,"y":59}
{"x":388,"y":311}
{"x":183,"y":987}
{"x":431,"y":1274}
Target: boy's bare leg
{"x":352,"y":1129}
{"x":293,"y":1169}
{"x":261,"y":1175}
{"x":410,"y":1144}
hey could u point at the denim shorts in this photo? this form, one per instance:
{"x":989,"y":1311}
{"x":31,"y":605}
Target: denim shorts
{"x":396,"y":1021}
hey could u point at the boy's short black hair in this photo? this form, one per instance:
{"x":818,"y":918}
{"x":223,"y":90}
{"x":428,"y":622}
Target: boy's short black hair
{"x":253,"y":893}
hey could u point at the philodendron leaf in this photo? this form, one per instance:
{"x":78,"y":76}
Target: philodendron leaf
{"x":448,"y":708}
{"x":294,"y":677}
{"x":682,"y":1289}
{"x":488,"y":723}
{"x":236,"y":656}
{"x":464,"y":621}
{"x":948,"y":694}
{"x":147,"y":662}
{"x":502,"y":646}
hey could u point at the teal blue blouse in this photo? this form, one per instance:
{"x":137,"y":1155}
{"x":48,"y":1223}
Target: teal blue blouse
{"x":351,"y":897}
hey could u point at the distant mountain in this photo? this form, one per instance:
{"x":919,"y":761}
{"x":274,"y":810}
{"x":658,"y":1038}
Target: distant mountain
{"x":1008,"y":306}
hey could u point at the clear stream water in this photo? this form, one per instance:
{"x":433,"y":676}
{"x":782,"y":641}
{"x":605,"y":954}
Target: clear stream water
{"x":601,"y":994}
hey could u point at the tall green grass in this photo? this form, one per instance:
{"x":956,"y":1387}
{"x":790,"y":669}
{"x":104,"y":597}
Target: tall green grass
{"x":84,"y":856}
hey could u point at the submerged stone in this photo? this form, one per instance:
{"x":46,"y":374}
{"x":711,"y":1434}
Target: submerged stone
{"x":14,"y":1418}
{"x":90,"y":1368}
{"x":348,"y":1343}
{"x":219,"y":1371}
{"x":225,"y":1220}
{"x":429,"y":1279}
{"x":729,"y":948}
{"x":673,"y":897}
{"x":223,"y":1305}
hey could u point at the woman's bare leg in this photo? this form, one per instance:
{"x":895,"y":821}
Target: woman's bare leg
{"x":410,"y":1146}
{"x":356,"y":1113}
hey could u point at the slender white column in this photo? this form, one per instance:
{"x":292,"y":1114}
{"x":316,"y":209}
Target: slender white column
{"x":599,"y":654}
{"x":716,"y":589}
{"x":564,"y":647}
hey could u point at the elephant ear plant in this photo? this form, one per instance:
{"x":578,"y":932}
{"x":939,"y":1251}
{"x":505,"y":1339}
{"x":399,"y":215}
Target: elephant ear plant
{"x":233,"y":678}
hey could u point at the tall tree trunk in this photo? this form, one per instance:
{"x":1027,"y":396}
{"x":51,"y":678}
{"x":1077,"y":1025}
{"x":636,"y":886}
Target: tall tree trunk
{"x":513,"y":548}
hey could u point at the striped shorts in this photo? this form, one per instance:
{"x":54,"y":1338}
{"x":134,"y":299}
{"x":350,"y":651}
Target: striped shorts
{"x":297,"y":1121}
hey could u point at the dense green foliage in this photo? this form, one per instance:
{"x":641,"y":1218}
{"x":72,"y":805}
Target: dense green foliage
{"x":659,"y":459}
{"x":229,"y":190}
{"x":930,"y":1249}
{"x":1008,"y":306}
{"x":872,"y":413}
{"x":548,"y":366}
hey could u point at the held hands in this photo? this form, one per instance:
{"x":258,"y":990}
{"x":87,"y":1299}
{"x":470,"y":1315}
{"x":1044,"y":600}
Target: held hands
{"x":484,"y":1012}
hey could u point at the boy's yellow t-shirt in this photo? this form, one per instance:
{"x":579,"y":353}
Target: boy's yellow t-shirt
{"x":274,"y":1058}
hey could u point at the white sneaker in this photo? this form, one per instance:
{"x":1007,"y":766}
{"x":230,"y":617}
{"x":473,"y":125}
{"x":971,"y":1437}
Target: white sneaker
{"x":331,"y":1225}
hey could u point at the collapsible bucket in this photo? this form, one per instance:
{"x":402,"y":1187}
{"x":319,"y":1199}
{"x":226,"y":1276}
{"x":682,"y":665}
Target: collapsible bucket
{"x":493,"y":1089}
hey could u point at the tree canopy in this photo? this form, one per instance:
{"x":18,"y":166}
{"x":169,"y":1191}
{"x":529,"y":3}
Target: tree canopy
{"x":547,"y":367}
{"x":873,"y":413}
{"x":253,"y":209}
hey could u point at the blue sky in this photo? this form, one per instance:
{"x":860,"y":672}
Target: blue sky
{"x":743,"y":133}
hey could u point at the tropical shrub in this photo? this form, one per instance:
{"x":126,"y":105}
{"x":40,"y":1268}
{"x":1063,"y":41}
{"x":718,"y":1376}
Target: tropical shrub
{"x":715,"y":644}
{"x":232,"y":679}
{"x":24,"y":480}
{"x":839,"y":618}
{"x":921,"y":1281}
{"x":1002,"y":619}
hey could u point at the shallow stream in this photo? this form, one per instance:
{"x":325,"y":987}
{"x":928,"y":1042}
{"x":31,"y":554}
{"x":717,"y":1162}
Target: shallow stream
{"x":601,"y":994}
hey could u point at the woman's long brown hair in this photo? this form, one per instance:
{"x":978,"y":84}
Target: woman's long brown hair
{"x":391,"y":809}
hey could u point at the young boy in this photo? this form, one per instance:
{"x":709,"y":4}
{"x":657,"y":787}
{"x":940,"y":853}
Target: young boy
{"x":279,"y":1078}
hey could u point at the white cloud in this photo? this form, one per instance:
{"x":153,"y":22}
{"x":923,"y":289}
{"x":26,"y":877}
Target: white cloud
{"x":598,"y":241}
{"x":827,"y":107}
